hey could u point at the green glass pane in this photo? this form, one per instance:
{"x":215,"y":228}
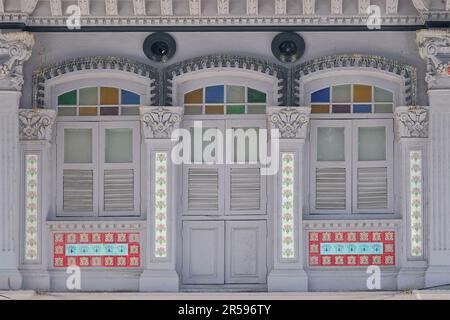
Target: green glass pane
{"x":77,"y":145}
{"x":119,"y":145}
{"x":382,"y":95}
{"x":130,"y":111}
{"x":67,"y":111}
{"x":372,"y":144}
{"x":68,"y":98}
{"x":330,"y":144}
{"x":236,"y":109}
{"x":384,"y":108}
{"x":256,"y":109}
{"x":88,"y":96}
{"x":342,"y":93}
{"x":255,"y":96}
{"x":235,"y":94}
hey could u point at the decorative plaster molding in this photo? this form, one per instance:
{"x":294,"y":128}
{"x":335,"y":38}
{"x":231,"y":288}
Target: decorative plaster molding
{"x":195,"y":7}
{"x":412,"y":122}
{"x":90,"y":225}
{"x":309,"y":7}
{"x":280,"y":7}
{"x":56,"y":8}
{"x":225,"y":61}
{"x":252,"y":7}
{"x":90,"y":63}
{"x":391,"y":6}
{"x":166,"y":8}
{"x":407,"y":72}
{"x":362,"y":6}
{"x":223,"y":7}
{"x":292,"y":122}
{"x":434,"y":47}
{"x":85,"y":7}
{"x":111,"y":8}
{"x":336,"y":7}
{"x":351,"y":224}
{"x":420,"y":5}
{"x":159,"y":122}
{"x":36,"y":124}
{"x":139,"y":7}
{"x":15,"y":49}
{"x":28,"y":6}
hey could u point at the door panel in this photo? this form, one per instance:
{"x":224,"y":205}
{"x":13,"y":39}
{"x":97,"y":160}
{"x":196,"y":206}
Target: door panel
{"x":203,"y":252}
{"x":246,"y":260}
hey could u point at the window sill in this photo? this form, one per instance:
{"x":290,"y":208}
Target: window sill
{"x":356,"y":216}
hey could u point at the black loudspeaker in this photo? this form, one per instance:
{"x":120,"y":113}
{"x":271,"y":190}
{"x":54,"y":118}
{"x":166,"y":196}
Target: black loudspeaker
{"x":159,"y":47}
{"x":288,"y":47}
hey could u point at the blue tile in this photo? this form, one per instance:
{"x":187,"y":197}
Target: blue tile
{"x":130,"y":98}
{"x":214,"y":94}
{"x":321,"y":96}
{"x":362,"y":108}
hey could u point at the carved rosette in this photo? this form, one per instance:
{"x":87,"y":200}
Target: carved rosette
{"x":15,"y":49}
{"x":292,"y":122}
{"x":434,"y":47}
{"x":159,"y":122}
{"x":36,"y":124}
{"x":412,"y":122}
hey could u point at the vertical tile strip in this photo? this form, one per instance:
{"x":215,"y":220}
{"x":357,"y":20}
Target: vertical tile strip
{"x":160,"y":205}
{"x":31,"y":207}
{"x":416,"y":203}
{"x":287,"y":205}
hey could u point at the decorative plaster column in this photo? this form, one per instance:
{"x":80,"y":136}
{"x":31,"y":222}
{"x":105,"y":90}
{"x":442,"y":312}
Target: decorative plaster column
{"x":434,"y":46}
{"x":411,"y":125}
{"x":159,"y":270}
{"x":288,"y":273}
{"x":15,"y":49}
{"x":35,"y":131}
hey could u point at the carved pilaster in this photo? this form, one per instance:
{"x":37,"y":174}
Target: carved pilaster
{"x":159,"y":122}
{"x":15,"y":49}
{"x":292,"y":122}
{"x":434,"y":47}
{"x":36,"y":124}
{"x":412,"y":122}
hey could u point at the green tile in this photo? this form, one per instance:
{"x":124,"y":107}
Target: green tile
{"x":235,"y":94}
{"x":68,"y":98}
{"x":382,"y":95}
{"x":255,"y":96}
{"x":238,"y":109}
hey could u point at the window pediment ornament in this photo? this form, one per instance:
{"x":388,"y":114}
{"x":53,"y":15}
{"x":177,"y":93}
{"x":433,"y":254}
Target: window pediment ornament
{"x":15,"y":49}
{"x":412,"y":122}
{"x":434,"y":47}
{"x":36,"y":124}
{"x":159,"y":122}
{"x":292,"y":122}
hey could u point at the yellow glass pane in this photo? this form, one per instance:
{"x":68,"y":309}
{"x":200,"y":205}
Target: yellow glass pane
{"x":194,"y":97}
{"x":109,"y":96}
{"x":320,"y":109}
{"x":362,"y":93}
{"x":214,"y":110}
{"x":88,"y":111}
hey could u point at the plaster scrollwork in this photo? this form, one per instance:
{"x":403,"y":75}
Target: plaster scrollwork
{"x":292,"y":122}
{"x":412,"y":122}
{"x":159,"y":122}
{"x":36,"y":124}
{"x":434,"y":47}
{"x":15,"y":49}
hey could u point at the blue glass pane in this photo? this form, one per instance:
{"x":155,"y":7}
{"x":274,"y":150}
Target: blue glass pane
{"x":362,"y":108}
{"x":321,"y":96}
{"x":214,"y":94}
{"x":130,"y":97}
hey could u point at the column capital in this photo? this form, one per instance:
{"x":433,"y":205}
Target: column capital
{"x":159,"y":122}
{"x":292,"y":122}
{"x":434,"y":47}
{"x":412,"y":122}
{"x":36,"y":124}
{"x":15,"y":49}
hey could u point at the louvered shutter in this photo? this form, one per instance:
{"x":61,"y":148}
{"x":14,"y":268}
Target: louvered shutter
{"x":78,"y":191}
{"x":331,"y":191}
{"x":372,"y":188}
{"x":245,"y":189}
{"x":118,"y":190}
{"x":203,"y":189}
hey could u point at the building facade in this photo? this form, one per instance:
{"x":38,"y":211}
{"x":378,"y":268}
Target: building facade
{"x":356,"y":180}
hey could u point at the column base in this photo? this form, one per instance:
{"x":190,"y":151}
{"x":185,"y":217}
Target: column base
{"x":159,"y":281}
{"x":411,"y":278}
{"x":38,"y":280}
{"x":10,"y":279}
{"x":287,"y":281}
{"x":437,"y":276}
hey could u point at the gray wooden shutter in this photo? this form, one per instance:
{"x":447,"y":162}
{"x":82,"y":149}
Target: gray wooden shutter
{"x":372,"y":188}
{"x":245,"y":189}
{"x":118,"y":189}
{"x":331,"y":188}
{"x":203,"y":189}
{"x":78,"y":190}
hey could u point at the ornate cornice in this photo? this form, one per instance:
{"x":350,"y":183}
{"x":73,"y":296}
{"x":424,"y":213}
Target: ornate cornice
{"x":15,"y":49}
{"x":407,"y":72}
{"x":91,"y":63}
{"x":292,"y":122}
{"x":434,"y":47}
{"x":36,"y":124}
{"x":412,"y":122}
{"x":226,"y":61}
{"x":159,"y":122}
